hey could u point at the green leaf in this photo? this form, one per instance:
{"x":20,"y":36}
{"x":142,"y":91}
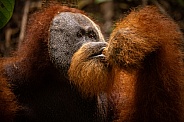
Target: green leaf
{"x":6,"y":11}
{"x":181,"y":2}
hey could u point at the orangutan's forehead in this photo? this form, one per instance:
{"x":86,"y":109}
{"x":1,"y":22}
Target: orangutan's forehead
{"x":71,"y":19}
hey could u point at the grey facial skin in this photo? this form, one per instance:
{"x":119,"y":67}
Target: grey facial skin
{"x":68,"y":31}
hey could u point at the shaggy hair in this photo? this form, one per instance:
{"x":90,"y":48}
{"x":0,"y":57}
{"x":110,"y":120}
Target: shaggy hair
{"x":144,"y":61}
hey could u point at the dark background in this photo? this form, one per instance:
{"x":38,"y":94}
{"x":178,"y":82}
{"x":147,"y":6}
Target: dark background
{"x":104,"y":12}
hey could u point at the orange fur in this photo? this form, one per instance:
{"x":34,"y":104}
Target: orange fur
{"x":37,"y":34}
{"x":81,"y":73}
{"x":145,"y":47}
{"x":8,"y":103}
{"x":144,"y":61}
{"x":35,"y":43}
{"x":46,"y":94}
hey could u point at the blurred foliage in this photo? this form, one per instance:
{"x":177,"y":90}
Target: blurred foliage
{"x":181,"y":2}
{"x":103,"y":12}
{"x":174,"y":8}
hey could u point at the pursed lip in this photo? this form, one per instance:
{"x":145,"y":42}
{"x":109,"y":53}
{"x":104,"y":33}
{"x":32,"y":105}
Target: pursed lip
{"x":99,"y":53}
